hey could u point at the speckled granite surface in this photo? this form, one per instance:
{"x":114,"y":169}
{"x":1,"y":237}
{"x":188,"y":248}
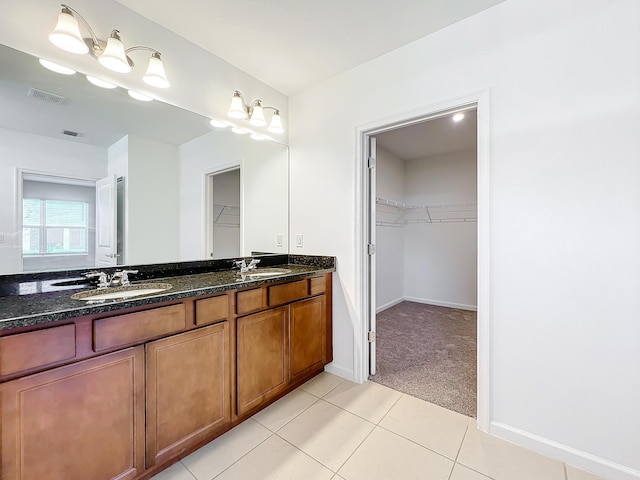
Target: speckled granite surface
{"x":29,"y":300}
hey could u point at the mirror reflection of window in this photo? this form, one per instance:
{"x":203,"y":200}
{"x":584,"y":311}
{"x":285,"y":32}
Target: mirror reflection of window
{"x":58,"y":222}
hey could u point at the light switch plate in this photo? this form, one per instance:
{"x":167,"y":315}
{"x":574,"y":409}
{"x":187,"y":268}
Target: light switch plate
{"x":298,"y":240}
{"x":1,"y":237}
{"x":279,"y":240}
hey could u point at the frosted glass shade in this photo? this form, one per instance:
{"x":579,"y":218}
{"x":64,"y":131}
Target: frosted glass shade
{"x":276,"y":123}
{"x":257,"y":115}
{"x":66,"y":35}
{"x":113,"y":56}
{"x":155,"y":75}
{"x":237,"y":110}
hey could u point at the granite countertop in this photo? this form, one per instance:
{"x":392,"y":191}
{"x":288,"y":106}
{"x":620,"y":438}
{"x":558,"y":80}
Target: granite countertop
{"x":38,"y":308}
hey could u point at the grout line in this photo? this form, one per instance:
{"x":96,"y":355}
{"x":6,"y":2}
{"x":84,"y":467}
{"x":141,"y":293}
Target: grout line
{"x":357,"y":448}
{"x":187,"y":469}
{"x":308,"y":455}
{"x":292,"y":419}
{"x":566,"y":474}
{"x":391,"y":407}
{"x":462,"y":442}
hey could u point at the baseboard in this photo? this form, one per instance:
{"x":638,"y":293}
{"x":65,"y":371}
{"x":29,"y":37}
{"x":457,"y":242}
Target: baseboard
{"x":384,"y":307}
{"x":571,"y":456}
{"x":461,"y":306}
{"x":339,"y":371}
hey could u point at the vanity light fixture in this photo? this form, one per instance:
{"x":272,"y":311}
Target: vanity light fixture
{"x":98,"y":82}
{"x":254,"y":112}
{"x":111,"y":54}
{"x":54,"y":67}
{"x":139,"y":96}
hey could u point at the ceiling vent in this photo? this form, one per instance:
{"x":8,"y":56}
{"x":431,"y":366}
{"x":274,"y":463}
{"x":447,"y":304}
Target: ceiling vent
{"x":71,"y":133}
{"x":46,"y":96}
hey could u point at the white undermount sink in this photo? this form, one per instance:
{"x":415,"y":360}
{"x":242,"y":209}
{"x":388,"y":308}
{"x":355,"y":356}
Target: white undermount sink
{"x":266,"y":272}
{"x":116,"y":293}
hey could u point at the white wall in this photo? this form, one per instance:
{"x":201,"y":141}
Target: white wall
{"x":389,"y":240}
{"x":152,"y":202}
{"x":564,"y":206}
{"x":40,"y":154}
{"x":440,"y":261}
{"x":264,"y":193}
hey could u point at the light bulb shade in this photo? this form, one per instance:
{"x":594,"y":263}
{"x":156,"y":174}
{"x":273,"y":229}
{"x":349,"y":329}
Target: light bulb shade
{"x":114,"y":58}
{"x":98,"y":82}
{"x":276,"y":123}
{"x":66,"y":35}
{"x":257,"y":115}
{"x":139,"y":96}
{"x":237,"y":110}
{"x":155,"y":75}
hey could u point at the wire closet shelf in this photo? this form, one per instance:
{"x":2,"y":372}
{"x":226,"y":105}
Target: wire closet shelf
{"x":390,"y":213}
{"x":226,"y":215}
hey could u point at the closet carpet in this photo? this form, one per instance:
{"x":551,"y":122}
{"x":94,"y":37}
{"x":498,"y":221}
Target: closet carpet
{"x":428,"y":352}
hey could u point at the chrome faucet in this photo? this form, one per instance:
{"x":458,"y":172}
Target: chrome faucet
{"x":118,"y":279}
{"x":121,"y":278}
{"x":244,"y":267}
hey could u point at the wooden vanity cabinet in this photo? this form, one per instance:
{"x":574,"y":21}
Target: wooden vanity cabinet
{"x":84,"y":420}
{"x":188,"y":390}
{"x":307,"y":336}
{"x":262,"y":357}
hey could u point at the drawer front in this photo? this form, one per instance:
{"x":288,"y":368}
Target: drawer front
{"x":288,"y":292}
{"x":137,"y":327}
{"x":317,"y":285}
{"x":210,"y":310}
{"x":37,"y":349}
{"x":249,"y":301}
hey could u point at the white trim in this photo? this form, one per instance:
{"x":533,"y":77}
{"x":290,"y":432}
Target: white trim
{"x":481,"y":101}
{"x":390,"y":304}
{"x":207,"y":195}
{"x":341,"y":372}
{"x":427,"y":301}
{"x":582,"y":460}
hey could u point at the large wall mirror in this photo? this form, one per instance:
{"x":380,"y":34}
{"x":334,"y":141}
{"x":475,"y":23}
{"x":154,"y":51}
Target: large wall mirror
{"x":91,"y":177}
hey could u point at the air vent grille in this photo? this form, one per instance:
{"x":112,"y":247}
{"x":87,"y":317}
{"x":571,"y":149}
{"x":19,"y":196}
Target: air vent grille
{"x":46,"y":96}
{"x":71,"y":133}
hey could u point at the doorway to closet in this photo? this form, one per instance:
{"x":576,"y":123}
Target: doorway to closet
{"x":424,"y":184}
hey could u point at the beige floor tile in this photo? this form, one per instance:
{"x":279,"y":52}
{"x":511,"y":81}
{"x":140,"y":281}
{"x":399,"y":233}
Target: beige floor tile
{"x":574,"y":473}
{"x":385,"y":455}
{"x":322,"y":384}
{"x":431,"y":426}
{"x":275,"y":459}
{"x":213,"y":458}
{"x":177,"y":471}
{"x":327,"y":433}
{"x":460,"y":472}
{"x":502,"y":460}
{"x":369,"y":400}
{"x":278,"y":414}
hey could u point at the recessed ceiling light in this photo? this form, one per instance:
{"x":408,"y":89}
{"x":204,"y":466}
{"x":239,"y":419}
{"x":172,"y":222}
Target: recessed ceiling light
{"x":54,"y":67}
{"x":139,"y":96}
{"x":218,"y":123}
{"x":240,"y":131}
{"x":458,"y":117}
{"x":100,"y":83}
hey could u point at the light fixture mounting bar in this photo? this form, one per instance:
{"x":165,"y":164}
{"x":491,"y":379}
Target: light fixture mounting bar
{"x":94,"y":38}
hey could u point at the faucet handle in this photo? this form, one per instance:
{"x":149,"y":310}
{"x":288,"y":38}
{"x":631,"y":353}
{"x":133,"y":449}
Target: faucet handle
{"x":103,"y":280}
{"x":123,"y":276}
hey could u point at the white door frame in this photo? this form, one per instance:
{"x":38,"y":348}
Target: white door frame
{"x":207,"y":199}
{"x":361,"y":349}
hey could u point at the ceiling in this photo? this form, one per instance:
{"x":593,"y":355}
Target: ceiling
{"x":291,"y":44}
{"x":432,"y":137}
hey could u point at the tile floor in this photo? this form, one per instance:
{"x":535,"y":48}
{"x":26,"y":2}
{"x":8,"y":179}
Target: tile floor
{"x":332,"y":429}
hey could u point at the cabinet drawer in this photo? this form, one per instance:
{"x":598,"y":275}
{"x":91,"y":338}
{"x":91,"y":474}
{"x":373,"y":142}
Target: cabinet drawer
{"x":209,"y":310}
{"x":317,"y":285}
{"x":37,"y":349}
{"x":250,"y":301}
{"x":137,"y":327}
{"x":288,"y":292}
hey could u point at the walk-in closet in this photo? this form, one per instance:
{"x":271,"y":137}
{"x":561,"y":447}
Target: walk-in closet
{"x":426,"y":260}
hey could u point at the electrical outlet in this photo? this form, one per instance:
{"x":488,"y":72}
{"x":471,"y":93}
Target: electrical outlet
{"x":1,"y":237}
{"x":279,"y":240}
{"x":299,"y":240}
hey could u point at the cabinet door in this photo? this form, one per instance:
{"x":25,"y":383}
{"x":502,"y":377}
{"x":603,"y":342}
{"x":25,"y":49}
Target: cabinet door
{"x":76,"y":422}
{"x":262,"y":357}
{"x":188,"y":390}
{"x":307,"y":336}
